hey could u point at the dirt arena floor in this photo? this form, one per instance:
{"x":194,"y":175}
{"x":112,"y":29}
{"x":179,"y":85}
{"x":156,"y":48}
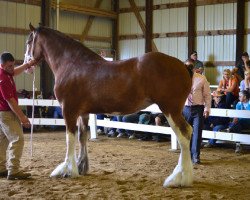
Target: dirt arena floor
{"x":128,"y":169}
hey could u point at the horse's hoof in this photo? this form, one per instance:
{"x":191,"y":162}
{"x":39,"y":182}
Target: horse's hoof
{"x":83,"y":165}
{"x":65,"y":170}
{"x":179,"y":178}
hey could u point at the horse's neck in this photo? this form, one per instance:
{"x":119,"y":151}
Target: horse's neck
{"x":56,"y":56}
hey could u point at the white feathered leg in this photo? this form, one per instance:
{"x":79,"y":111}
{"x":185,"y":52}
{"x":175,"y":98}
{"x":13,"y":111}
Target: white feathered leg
{"x":183,"y":172}
{"x":68,"y":168}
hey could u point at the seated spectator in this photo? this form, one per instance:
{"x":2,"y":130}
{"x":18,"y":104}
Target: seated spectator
{"x":239,"y":124}
{"x":53,"y":112}
{"x":229,"y":85}
{"x":100,"y":129}
{"x":58,"y":113}
{"x":245,"y":83}
{"x":247,"y":65}
{"x":145,"y":118}
{"x":214,"y":123}
{"x":131,"y":118}
{"x":160,"y":120}
{"x":113,"y":132}
{"x":157,"y":119}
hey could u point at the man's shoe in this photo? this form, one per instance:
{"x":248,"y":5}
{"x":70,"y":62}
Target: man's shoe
{"x":4,"y":174}
{"x":208,"y":145}
{"x":100,"y":132}
{"x":19,"y":176}
{"x":196,"y":161}
{"x":238,"y":148}
{"x":121,"y":135}
{"x":111,"y":133}
{"x":132,"y":136}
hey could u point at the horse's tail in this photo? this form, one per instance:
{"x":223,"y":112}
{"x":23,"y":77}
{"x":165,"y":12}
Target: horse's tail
{"x":190,"y":70}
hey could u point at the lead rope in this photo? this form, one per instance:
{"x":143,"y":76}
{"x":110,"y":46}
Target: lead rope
{"x":32,"y":121}
{"x":28,"y":57}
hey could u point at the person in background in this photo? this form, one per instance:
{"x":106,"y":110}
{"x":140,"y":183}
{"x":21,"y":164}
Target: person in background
{"x":197,"y":107}
{"x":241,"y":64}
{"x":198,"y":65}
{"x":100,"y":129}
{"x":12,"y":119}
{"x":240,"y":124}
{"x":131,"y":118}
{"x":160,"y":120}
{"x":245,"y":83}
{"x":247,"y":65}
{"x":229,"y":85}
{"x":214,"y":123}
{"x":113,"y":132}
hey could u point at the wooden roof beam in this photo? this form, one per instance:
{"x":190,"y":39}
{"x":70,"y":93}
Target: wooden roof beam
{"x":84,"y":10}
{"x":21,"y":31}
{"x":180,"y":5}
{"x":141,"y":23}
{"x":89,"y":22}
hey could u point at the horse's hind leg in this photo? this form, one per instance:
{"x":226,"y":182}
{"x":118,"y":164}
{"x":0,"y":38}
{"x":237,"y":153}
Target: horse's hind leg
{"x":183,"y":172}
{"x":83,"y":160}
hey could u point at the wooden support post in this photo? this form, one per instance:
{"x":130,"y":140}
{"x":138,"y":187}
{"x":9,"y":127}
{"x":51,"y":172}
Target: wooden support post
{"x":191,"y":26}
{"x":46,"y":76}
{"x":115,"y":31}
{"x":89,"y":22}
{"x":149,"y":26}
{"x":240,"y":29}
{"x":141,"y":23}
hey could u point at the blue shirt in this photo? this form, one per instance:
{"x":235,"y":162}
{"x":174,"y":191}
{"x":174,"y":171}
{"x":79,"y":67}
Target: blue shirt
{"x":240,"y":106}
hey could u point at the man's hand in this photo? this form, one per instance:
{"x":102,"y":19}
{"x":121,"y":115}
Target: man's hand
{"x":18,"y":70}
{"x":235,"y":120}
{"x":206,"y":114}
{"x":19,"y":113}
{"x":30,"y":69}
{"x":25,"y":122}
{"x":31,"y":63}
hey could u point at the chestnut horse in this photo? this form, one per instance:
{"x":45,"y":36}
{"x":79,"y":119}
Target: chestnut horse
{"x":86,"y":83}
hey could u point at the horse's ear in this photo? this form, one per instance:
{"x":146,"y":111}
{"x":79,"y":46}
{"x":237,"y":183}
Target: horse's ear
{"x":32,"y":28}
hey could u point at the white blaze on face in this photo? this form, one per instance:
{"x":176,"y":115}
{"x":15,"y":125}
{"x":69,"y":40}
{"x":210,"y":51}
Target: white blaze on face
{"x":27,"y":58}
{"x":26,"y":55}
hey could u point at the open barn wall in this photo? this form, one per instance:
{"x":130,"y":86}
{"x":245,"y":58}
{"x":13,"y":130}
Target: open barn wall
{"x":74,"y":23}
{"x":215,"y":28}
{"x":16,"y":15}
{"x":217,"y":47}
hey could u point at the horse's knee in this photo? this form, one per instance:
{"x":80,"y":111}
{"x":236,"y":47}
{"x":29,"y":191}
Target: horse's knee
{"x":183,"y":126}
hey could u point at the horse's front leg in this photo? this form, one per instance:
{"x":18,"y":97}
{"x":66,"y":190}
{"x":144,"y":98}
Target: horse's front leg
{"x":69,"y":167}
{"x":83,"y":161}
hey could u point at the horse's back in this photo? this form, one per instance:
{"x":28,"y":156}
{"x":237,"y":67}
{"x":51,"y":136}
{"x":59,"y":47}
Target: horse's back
{"x":166,"y":78}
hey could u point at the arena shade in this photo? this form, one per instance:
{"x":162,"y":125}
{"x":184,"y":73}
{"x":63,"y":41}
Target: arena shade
{"x":93,"y":122}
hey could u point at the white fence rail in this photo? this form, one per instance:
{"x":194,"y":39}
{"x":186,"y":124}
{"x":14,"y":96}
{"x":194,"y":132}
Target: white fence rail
{"x":93,"y":122}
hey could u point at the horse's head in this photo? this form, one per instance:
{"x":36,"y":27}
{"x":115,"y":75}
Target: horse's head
{"x":33,"y":47}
